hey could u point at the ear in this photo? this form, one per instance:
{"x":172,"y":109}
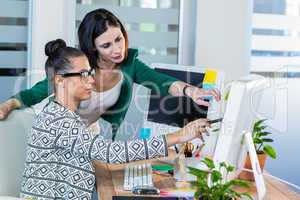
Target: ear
{"x":58,"y":80}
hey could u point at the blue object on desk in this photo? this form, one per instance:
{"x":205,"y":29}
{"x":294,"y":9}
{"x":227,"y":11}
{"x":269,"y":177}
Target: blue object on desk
{"x":145,"y":133}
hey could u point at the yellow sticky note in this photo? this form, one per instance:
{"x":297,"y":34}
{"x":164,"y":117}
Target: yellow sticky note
{"x":210,"y":76}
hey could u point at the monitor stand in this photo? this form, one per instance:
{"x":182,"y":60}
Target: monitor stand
{"x":258,"y":175}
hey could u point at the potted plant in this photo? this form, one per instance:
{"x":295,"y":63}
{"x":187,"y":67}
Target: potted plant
{"x":211,"y":185}
{"x":263,"y":149}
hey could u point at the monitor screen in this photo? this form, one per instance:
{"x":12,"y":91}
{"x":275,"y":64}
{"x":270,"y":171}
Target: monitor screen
{"x":176,"y":111}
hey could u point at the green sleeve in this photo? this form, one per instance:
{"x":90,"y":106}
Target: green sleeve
{"x":152,"y":79}
{"x":34,"y":95}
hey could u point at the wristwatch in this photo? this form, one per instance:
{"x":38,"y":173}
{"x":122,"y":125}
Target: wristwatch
{"x":184,"y":89}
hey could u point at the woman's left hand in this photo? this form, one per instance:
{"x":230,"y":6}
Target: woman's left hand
{"x":198,"y":95}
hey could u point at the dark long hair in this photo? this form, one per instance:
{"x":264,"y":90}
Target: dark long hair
{"x":93,"y":25}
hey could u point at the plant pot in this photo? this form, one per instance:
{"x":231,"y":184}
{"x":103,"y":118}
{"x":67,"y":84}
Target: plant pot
{"x":245,"y":175}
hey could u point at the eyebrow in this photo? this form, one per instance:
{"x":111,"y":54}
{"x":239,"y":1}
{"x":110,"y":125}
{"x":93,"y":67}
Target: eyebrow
{"x":110,"y":42}
{"x":85,"y":70}
{"x":118,"y":36}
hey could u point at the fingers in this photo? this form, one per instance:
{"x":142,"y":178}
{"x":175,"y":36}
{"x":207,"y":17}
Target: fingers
{"x":200,"y":94}
{"x":4,"y":110}
{"x":215,"y":93}
{"x":196,"y":129}
{"x":2,"y":114}
{"x":200,"y":101}
{"x":201,"y":135}
{"x":203,"y":122}
{"x":204,"y":125}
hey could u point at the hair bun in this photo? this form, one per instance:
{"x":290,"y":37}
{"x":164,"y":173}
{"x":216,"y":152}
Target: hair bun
{"x":53,"y":47}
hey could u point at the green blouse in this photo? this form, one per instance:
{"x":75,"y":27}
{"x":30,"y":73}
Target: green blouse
{"x":134,"y":71}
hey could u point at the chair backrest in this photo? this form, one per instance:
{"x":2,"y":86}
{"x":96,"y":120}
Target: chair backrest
{"x":13,"y":139}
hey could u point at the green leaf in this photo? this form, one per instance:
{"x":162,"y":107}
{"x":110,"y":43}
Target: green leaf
{"x":259,"y":122}
{"x":197,"y":172}
{"x":227,"y":95}
{"x":259,"y":129}
{"x":267,"y":140}
{"x":216,"y":176}
{"x":246,"y":195}
{"x":270,"y":151}
{"x":197,"y":194}
{"x":260,"y":134}
{"x":209,"y":163}
{"x":223,"y":164}
{"x":230,"y":168}
{"x":257,"y":141}
{"x":241,"y":183}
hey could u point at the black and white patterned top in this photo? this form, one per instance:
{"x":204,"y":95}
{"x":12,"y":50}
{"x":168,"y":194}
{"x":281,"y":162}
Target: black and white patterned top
{"x":61,"y":148}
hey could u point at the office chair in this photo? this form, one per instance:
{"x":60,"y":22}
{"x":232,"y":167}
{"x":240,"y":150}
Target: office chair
{"x":13,"y":139}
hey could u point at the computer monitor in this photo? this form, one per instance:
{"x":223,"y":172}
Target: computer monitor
{"x":167,"y":113}
{"x":235,"y":136}
{"x":234,"y":139}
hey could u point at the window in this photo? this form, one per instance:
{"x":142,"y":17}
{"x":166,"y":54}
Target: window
{"x":152,"y":25}
{"x":276,"y":53}
{"x":276,"y":35}
{"x":13,"y":46}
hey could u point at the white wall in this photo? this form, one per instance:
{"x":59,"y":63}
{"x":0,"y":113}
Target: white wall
{"x":48,"y":20}
{"x":223,"y":36}
{"x":187,"y":32}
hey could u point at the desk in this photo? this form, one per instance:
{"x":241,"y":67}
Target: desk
{"x":110,"y":183}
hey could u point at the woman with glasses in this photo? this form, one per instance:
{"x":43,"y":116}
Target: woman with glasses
{"x":103,"y":39}
{"x":61,"y":147}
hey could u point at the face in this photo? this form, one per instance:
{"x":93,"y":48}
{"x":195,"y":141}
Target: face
{"x":78,"y":87}
{"x":111,"y":45}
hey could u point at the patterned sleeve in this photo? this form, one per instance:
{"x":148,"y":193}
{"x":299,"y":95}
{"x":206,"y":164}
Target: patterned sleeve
{"x":81,"y":141}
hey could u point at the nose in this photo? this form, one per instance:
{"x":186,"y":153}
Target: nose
{"x":91,"y":80}
{"x":117,"y":48}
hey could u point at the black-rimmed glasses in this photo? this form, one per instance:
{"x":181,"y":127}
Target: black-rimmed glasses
{"x":83,"y":74}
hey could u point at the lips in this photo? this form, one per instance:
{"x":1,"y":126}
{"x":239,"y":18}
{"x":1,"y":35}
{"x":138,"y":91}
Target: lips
{"x":89,"y":90}
{"x":117,"y":57}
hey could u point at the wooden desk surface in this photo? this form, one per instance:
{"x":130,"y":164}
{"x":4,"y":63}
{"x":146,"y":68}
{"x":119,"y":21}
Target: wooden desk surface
{"x":110,"y":183}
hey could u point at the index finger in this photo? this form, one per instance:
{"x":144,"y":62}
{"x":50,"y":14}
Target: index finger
{"x":214,"y":92}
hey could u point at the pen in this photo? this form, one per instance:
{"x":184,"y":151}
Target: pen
{"x":215,"y":120}
{"x":176,"y":149}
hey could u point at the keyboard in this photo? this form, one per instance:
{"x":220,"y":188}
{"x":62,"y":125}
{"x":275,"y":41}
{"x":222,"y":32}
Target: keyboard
{"x":137,"y":175}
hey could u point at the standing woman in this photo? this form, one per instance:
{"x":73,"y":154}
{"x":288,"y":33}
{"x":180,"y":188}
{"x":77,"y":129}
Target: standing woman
{"x":61,"y":148}
{"x":103,"y":39}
